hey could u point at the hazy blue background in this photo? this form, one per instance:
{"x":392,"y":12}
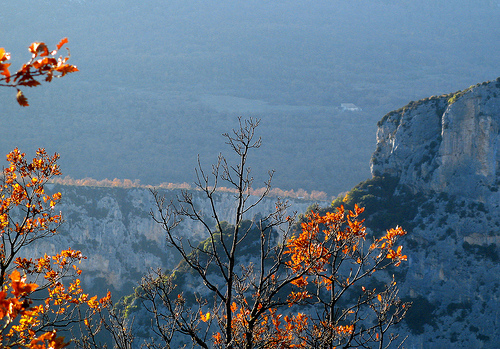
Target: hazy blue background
{"x":161,"y":80}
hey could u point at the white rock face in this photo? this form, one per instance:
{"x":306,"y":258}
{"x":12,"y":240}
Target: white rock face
{"x":114,"y":229}
{"x":445,"y":144}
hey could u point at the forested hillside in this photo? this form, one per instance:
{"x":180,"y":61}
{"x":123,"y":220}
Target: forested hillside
{"x":160,"y":80}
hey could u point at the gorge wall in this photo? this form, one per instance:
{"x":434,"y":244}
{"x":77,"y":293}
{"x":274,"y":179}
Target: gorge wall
{"x":114,"y":229}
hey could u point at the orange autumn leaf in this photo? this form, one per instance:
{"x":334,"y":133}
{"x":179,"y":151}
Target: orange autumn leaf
{"x":105,"y":300}
{"x":217,"y":338}
{"x":39,"y":48}
{"x":300,"y":282}
{"x":19,"y":288}
{"x":204,"y":317}
{"x":48,"y":340}
{"x":61,"y":43}
{"x":233,"y":307}
{"x":4,"y":56}
{"x":4,"y":70}
{"x":21,"y":99}
{"x":66,"y":68}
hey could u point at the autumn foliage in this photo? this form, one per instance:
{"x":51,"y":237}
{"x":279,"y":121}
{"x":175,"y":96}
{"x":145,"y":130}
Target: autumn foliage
{"x":44,"y":65}
{"x":41,"y":295}
{"x":331,"y":255}
{"x":318,"y":255}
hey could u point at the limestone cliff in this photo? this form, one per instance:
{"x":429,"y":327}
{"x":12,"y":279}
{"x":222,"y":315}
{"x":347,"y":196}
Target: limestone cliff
{"x":446,"y":144}
{"x":436,"y":172}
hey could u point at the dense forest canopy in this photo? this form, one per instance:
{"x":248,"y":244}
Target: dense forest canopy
{"x":159,"y":81}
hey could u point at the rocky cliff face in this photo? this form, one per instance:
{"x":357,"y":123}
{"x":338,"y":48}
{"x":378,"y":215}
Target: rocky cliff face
{"x":441,"y":157}
{"x":446,"y":144}
{"x":114,"y":229}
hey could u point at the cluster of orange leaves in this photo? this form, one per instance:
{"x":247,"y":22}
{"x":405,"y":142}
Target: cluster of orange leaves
{"x":22,"y":323}
{"x":288,"y":330}
{"x":23,"y":185}
{"x":20,"y":319}
{"x":18,"y":306}
{"x":274,"y":329}
{"x":335,"y":233}
{"x":322,"y":237}
{"x":387,"y":241}
{"x":328,"y":329}
{"x":43,"y":63}
{"x":53,"y":268}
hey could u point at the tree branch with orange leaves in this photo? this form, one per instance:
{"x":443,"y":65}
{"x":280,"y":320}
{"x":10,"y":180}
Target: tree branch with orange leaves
{"x":44,"y":65}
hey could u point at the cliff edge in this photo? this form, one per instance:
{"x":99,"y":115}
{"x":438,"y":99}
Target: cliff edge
{"x":448,"y":143}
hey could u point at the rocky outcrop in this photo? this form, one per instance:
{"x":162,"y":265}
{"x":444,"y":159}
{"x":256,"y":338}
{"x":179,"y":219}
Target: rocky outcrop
{"x":449,"y":143}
